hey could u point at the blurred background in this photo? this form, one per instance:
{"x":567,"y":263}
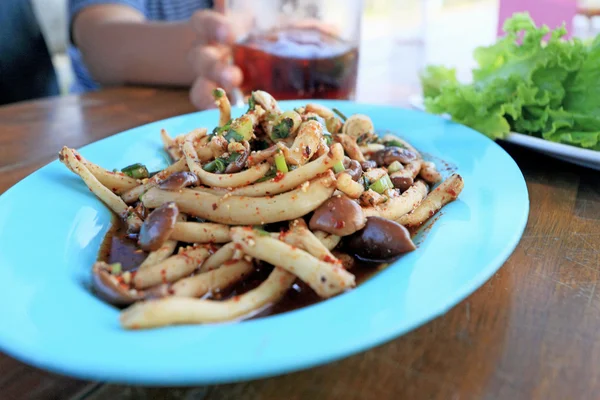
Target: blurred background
{"x":401,"y":35}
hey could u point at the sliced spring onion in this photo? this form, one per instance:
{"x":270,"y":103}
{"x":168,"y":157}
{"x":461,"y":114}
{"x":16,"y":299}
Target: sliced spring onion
{"x":270,"y":175}
{"x":216,"y":165}
{"x":395,"y":166}
{"x":259,"y":229}
{"x":233,"y":135}
{"x":338,"y":167}
{"x":382,"y":184}
{"x":328,"y":138}
{"x":251,"y":102}
{"x":219,"y":130}
{"x":232,"y":157}
{"x":137,"y":171}
{"x":280,"y":163}
{"x":116,"y":268}
{"x":218,"y":93}
{"x":340,"y":114}
{"x":394,"y":143}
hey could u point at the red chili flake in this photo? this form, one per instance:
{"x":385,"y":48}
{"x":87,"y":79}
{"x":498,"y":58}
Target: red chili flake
{"x":170,"y":291}
{"x":451,"y":192}
{"x":229,"y":262}
{"x":77,"y":156}
{"x":278,"y":176}
{"x":163,"y":274}
{"x":214,"y":206}
{"x":236,"y":298}
{"x":329,"y":259}
{"x":238,"y":246}
{"x":340,"y":224}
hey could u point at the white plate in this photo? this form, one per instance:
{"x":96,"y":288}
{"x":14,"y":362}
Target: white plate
{"x":576,"y":155}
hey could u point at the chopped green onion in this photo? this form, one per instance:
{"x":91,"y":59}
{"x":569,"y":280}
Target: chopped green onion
{"x":216,"y":165}
{"x":233,"y":135}
{"x":116,"y":268}
{"x":280,"y":163}
{"x":259,"y":229}
{"x":394,"y":143}
{"x":232,"y":157}
{"x":338,"y":167}
{"x":219,"y":130}
{"x":395,"y":166}
{"x":282,"y":129}
{"x":382,"y":184}
{"x":340,"y":114}
{"x":251,"y":103}
{"x":270,"y":175}
{"x":218,"y":93}
{"x":137,"y":171}
{"x":328,"y":138}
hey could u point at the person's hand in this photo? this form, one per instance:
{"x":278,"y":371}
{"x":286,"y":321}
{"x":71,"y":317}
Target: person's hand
{"x":210,"y":57}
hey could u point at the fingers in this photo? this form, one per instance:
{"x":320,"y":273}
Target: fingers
{"x":201,"y":94}
{"x":211,"y":63}
{"x":212,"y":27}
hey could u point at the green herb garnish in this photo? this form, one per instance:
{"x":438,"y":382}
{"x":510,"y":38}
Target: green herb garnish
{"x":338,"y":167}
{"x":116,"y":269}
{"x":282,"y":129}
{"x":340,"y":114}
{"x":137,"y":171}
{"x":382,"y":184}
{"x":216,"y":165}
{"x":280,"y":163}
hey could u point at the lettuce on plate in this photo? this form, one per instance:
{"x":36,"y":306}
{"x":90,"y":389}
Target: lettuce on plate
{"x":531,"y":81}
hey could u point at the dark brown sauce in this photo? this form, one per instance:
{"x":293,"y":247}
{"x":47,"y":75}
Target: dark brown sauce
{"x":117,"y":246}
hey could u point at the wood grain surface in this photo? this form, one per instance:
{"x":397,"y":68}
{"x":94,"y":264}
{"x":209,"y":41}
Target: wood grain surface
{"x":529,"y":333}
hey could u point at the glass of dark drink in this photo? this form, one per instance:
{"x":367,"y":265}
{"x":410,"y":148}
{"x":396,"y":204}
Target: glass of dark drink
{"x":297,"y":49}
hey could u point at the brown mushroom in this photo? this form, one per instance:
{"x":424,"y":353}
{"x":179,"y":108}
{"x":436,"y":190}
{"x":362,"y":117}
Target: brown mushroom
{"x":401,"y":181}
{"x":354,"y":170}
{"x":339,"y":216}
{"x":381,"y":240}
{"x":368,"y":164}
{"x":239,"y":163}
{"x":179,"y":180}
{"x":390,"y":154}
{"x":110,"y":287}
{"x":157,"y":228}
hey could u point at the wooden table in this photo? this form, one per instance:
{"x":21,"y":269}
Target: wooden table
{"x":531,"y":332}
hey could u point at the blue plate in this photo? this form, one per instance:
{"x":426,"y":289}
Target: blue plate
{"x":51,"y":227}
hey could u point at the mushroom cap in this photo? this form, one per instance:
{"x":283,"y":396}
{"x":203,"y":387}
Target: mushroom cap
{"x":339,"y":215}
{"x":381,"y":240}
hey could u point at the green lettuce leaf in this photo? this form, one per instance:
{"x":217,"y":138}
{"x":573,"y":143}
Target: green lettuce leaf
{"x":434,"y":77}
{"x":531,"y":81}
